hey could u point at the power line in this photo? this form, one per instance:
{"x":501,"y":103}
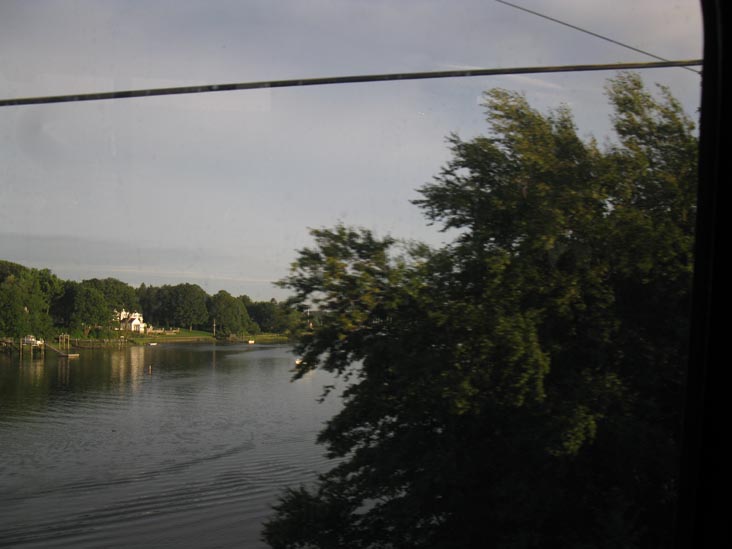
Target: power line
{"x":209,"y":88}
{"x":607,"y":39}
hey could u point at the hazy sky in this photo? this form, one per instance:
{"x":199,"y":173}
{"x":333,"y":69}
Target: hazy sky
{"x":219,"y":189}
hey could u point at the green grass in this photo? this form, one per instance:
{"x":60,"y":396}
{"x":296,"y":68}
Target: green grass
{"x":182,"y":335}
{"x":268,"y":338}
{"x":197,"y":335}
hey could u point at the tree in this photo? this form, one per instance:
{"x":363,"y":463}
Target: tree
{"x":156,"y":304}
{"x":188,"y":305}
{"x":10,"y":308}
{"x":229,"y":313}
{"x":521,"y":386}
{"x":275,"y":317}
{"x":118,"y":295}
{"x":8,"y":268}
{"x":25,"y":301}
{"x":264,"y":313}
{"x":89,"y":308}
{"x":50,"y":286}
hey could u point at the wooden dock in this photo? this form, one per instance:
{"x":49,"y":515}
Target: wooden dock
{"x":31,"y":346}
{"x":63,"y":354}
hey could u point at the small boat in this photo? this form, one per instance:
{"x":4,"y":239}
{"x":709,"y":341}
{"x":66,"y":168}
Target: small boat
{"x":251,"y":342}
{"x":298,"y":361}
{"x":153,"y":343}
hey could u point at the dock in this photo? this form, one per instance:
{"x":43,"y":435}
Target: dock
{"x":63,"y":354}
{"x":30,"y":345}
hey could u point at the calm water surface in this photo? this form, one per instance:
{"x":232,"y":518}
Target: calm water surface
{"x":101,"y":451}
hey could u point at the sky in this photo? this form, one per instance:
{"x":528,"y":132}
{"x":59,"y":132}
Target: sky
{"x":220,"y":189}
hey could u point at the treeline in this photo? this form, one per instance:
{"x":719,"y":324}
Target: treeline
{"x":35,"y":301}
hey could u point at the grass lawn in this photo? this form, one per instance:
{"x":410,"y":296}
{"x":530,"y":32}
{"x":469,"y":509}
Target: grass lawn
{"x":182,"y":335}
{"x":196,"y":335}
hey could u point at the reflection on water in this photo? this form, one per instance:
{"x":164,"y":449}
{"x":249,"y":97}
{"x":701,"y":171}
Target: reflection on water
{"x":63,"y":374}
{"x":180,"y":446}
{"x":128,"y":368}
{"x":32,"y":372}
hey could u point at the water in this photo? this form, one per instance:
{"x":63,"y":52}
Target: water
{"x":104,"y":451}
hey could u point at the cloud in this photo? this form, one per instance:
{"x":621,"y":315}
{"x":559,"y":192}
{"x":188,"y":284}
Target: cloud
{"x":242,"y":174}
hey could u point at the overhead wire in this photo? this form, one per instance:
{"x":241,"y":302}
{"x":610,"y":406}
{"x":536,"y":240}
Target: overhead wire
{"x":462,"y":73}
{"x":596,"y":35}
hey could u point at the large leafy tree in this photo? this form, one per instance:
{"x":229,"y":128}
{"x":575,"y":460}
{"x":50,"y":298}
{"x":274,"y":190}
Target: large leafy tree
{"x":230,"y":314}
{"x":118,"y":295}
{"x":89,"y":308}
{"x":520,"y":387}
{"x":24,"y":303}
{"x":187,"y":303}
{"x":156,"y":304}
{"x":272,"y":316}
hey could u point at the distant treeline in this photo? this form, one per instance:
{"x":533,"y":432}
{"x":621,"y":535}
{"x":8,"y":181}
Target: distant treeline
{"x":35,"y":301}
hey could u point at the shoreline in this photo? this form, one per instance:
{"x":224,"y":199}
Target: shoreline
{"x":89,"y":344}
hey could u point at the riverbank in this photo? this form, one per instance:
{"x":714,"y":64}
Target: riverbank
{"x":205,"y":337}
{"x":192,"y":336}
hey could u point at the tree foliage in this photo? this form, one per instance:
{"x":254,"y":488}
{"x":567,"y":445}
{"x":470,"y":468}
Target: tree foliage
{"x":24,"y":303}
{"x":26,"y":297}
{"x":230,"y":314}
{"x":180,"y":305}
{"x":521,"y":386}
{"x":117,"y":294}
{"x":37,"y":302}
{"x":188,"y":305}
{"x":275,"y":317}
{"x":90,"y":310}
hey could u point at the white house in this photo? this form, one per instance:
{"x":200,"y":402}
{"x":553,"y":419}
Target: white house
{"x":131,"y":322}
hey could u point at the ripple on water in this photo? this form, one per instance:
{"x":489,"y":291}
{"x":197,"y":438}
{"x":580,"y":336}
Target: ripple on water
{"x":193,"y":455}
